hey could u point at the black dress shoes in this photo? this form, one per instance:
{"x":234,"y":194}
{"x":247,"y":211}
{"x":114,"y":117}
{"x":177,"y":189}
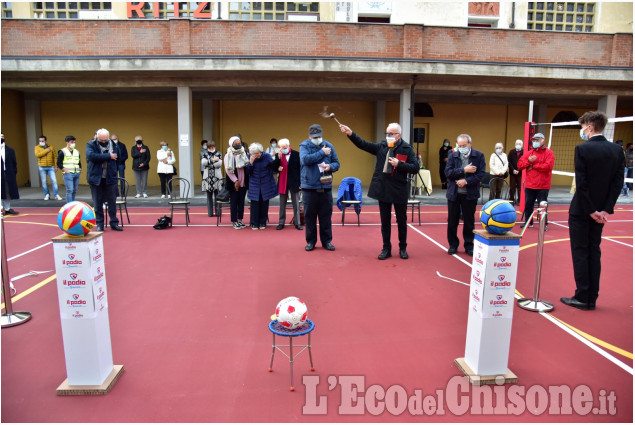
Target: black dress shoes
{"x":11,"y":211}
{"x":329,"y":246}
{"x":572,"y":302}
{"x":469,"y":252}
{"x":451,"y":251}
{"x":280,"y":227}
{"x":116,"y":227}
{"x":384,"y":254}
{"x":299,"y":227}
{"x":403,"y":254}
{"x":100,"y":228}
{"x":309,"y":247}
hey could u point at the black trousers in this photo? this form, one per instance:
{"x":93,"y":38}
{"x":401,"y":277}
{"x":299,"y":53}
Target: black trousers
{"x":468,"y":206}
{"x":259,"y":212}
{"x":318,"y":206}
{"x":237,"y":203}
{"x":515,"y":184}
{"x":212,"y":208}
{"x":165,"y":178}
{"x":585,"y":235}
{"x":531,"y":196}
{"x":104,"y":193}
{"x":385,"y":209}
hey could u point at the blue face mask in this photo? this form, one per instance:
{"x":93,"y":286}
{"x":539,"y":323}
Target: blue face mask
{"x":582,"y":135}
{"x":165,"y":148}
{"x":536,"y":145}
{"x":285,"y":151}
{"x":464,"y":151}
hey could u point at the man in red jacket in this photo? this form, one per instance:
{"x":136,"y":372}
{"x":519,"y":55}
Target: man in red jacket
{"x":538,"y":164}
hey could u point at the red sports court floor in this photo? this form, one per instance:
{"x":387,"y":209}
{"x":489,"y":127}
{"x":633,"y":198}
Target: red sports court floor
{"x":189,"y":309}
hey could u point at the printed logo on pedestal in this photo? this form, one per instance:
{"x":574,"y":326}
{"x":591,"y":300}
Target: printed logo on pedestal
{"x":74,"y":281}
{"x":71,"y":260}
{"x":97,"y":255}
{"x":502,"y":263}
{"x":76,"y":301}
{"x":70,"y":246}
{"x":99,"y":275}
{"x":476,"y":277}
{"x":500,"y":282}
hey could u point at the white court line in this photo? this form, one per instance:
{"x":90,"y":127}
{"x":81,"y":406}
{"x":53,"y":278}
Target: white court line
{"x":603,"y":237}
{"x":583,"y":340}
{"x":29,"y":251}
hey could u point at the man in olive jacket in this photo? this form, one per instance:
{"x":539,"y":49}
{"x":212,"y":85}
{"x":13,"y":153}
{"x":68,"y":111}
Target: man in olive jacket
{"x":389,"y":185}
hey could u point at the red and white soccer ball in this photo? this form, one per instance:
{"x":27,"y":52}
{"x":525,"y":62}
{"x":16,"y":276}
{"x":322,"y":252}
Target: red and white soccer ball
{"x":291,"y":312}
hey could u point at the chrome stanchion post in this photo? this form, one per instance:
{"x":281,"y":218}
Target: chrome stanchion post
{"x":535,"y":303}
{"x":10,"y":317}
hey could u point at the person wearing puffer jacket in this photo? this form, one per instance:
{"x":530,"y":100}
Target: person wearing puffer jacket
{"x":165,"y":168}
{"x":262,"y":185}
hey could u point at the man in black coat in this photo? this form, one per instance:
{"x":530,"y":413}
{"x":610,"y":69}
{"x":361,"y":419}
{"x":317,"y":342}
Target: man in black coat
{"x":599,"y":177}
{"x":465,"y":170}
{"x":515,"y":175}
{"x":389,"y":185}
{"x":9,"y":178}
{"x":286,"y":163}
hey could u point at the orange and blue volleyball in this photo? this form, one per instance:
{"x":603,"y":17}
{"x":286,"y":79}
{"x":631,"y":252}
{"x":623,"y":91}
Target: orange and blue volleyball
{"x":498,"y":216}
{"x":76,"y":218}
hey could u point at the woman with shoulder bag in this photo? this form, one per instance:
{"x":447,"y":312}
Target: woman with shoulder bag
{"x":212,"y":176}
{"x":498,"y":167}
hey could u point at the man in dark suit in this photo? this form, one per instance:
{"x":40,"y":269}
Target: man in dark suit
{"x":9,"y":178}
{"x":287,"y":163}
{"x":515,"y":175}
{"x":465,"y":170}
{"x":599,"y":176}
{"x":389,"y":185}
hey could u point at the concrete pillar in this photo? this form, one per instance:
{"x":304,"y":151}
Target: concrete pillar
{"x":541,"y":118}
{"x":404,"y":114}
{"x":608,"y":105}
{"x":186,"y":145}
{"x":380,"y":120}
{"x":33,"y":120}
{"x":208,"y":121}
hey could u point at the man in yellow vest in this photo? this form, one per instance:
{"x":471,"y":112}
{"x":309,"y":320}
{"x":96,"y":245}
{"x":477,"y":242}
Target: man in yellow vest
{"x":68,"y":162}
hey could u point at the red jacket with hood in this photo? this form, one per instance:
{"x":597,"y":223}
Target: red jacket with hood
{"x":538,"y":173}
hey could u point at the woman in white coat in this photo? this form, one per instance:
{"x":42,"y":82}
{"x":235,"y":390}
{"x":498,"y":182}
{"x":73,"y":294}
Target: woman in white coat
{"x":498,"y":167}
{"x":165,"y":167}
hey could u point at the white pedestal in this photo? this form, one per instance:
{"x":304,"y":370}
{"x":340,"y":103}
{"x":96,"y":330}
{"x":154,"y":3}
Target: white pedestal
{"x":492,"y":288}
{"x":83,"y":303}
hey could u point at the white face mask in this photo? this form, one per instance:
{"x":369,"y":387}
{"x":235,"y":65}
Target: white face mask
{"x":72,"y":145}
{"x":390,"y":140}
{"x":316,"y":141}
{"x":499,"y":150}
{"x":42,"y":144}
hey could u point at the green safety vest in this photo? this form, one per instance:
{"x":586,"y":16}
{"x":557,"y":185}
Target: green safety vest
{"x":71,"y":160}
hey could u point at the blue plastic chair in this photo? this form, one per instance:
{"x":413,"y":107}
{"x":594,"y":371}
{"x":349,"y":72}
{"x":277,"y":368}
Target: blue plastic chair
{"x":349,"y":194}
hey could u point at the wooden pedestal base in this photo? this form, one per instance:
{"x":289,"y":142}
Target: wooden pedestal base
{"x":102,"y":389}
{"x":508,"y":378}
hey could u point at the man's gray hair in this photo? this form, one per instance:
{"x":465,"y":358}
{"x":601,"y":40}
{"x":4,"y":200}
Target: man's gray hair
{"x":255,"y":147}
{"x":464,"y":136}
{"x":283,"y":143}
{"x":102,"y":131}
{"x":395,"y":124}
